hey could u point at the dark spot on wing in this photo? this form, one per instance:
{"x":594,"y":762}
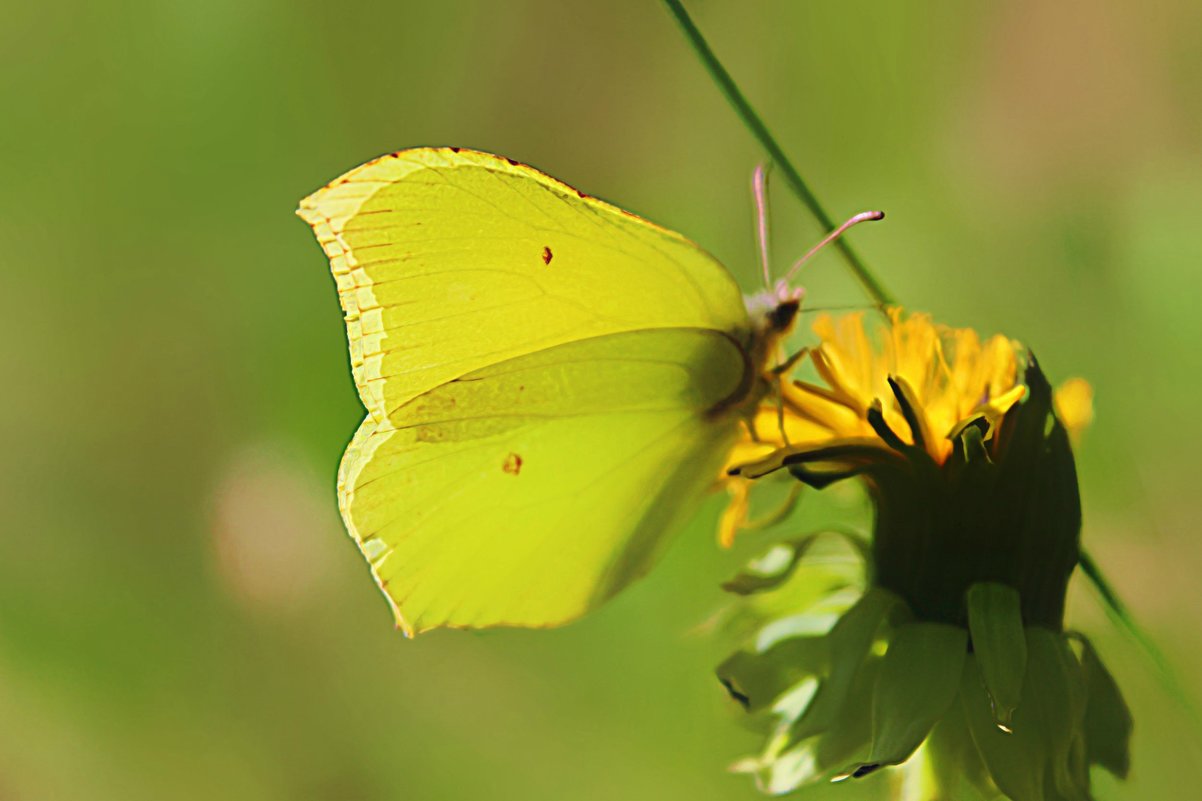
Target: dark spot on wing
{"x":581,"y":194}
{"x":512,"y":163}
{"x":547,"y":255}
{"x":512,"y":464}
{"x":427,"y":433}
{"x":455,"y":149}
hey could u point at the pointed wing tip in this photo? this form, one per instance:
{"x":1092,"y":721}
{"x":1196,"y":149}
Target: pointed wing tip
{"x":306,"y":209}
{"x":338,"y":200}
{"x":310,"y":207}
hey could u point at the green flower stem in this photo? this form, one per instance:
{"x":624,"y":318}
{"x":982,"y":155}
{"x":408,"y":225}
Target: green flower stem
{"x":1123,"y":620}
{"x":760,"y":131}
{"x":863,"y":274}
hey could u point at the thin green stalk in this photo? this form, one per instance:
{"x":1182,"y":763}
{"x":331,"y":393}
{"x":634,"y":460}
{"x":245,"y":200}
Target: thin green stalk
{"x":759,"y":130}
{"x":1110,"y":599}
{"x":1123,"y":620}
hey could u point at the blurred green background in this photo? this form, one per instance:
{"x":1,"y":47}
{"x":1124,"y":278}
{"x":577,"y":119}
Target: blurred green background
{"x":181,"y":615}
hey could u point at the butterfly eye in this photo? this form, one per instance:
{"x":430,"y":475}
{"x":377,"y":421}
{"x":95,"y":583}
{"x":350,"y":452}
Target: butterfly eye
{"x":783,"y":315}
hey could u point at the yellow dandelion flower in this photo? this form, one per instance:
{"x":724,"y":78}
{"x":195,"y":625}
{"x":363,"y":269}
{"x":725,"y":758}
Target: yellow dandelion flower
{"x":943,"y":378}
{"x":953,"y":663}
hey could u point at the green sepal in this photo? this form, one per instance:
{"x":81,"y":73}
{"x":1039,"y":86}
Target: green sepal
{"x":817,"y":757}
{"x":918,"y":682}
{"x":850,"y":736}
{"x":821,"y":588}
{"x":783,"y":773}
{"x":996,"y":623}
{"x":757,"y":679}
{"x":772,"y":569}
{"x":954,"y":766}
{"x":1015,"y":760}
{"x":850,"y":642}
{"x":1052,"y":793}
{"x":780,"y":562}
{"x":1056,"y":691}
{"x":1108,"y":723}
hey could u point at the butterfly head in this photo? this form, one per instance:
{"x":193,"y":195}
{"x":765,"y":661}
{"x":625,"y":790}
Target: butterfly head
{"x":773,"y":312}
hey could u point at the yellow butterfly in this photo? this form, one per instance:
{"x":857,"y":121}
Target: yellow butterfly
{"x":552,"y":384}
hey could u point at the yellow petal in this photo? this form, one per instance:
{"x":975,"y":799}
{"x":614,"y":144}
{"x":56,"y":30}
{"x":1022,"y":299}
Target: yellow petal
{"x":1074,"y":405}
{"x":735,"y":515}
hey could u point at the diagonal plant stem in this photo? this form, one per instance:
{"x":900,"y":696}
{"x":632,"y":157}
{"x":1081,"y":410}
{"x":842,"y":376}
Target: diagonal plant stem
{"x":1110,"y":599}
{"x":875,"y":289}
{"x":1124,"y":621}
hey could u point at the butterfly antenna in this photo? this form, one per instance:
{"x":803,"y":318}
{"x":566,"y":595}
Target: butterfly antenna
{"x":759,"y":188}
{"x":864,"y":216}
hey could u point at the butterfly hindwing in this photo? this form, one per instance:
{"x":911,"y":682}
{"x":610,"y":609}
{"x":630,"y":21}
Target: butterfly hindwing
{"x":527,"y":492}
